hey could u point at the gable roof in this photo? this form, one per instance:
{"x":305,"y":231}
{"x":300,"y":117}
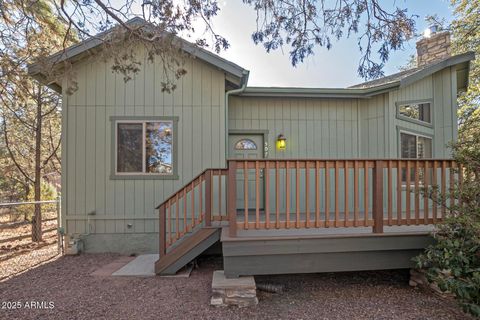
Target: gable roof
{"x":369,"y":88}
{"x":411,"y":75}
{"x":237,"y":75}
{"x":79,"y":50}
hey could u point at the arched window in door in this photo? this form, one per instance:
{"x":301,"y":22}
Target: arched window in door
{"x":245,"y":144}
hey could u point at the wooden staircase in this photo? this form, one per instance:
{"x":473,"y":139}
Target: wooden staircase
{"x":190,"y":248}
{"x":186,"y":220}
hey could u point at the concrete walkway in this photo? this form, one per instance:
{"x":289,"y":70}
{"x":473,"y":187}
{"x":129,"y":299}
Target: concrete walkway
{"x":141,"y":266}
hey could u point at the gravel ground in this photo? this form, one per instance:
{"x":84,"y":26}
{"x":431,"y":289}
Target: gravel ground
{"x":75,"y":294}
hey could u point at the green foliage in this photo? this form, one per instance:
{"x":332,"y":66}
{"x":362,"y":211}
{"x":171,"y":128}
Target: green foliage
{"x":466,"y":32}
{"x":453,"y":262}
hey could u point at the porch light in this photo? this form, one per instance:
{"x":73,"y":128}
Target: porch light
{"x":281,"y":142}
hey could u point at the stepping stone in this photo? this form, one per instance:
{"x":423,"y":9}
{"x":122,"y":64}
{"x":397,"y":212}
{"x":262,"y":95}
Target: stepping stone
{"x":241,"y":291}
{"x":108,"y":269}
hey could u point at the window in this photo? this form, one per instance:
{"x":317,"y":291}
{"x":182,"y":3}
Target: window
{"x":144,"y":147}
{"x":245,"y":144}
{"x":416,"y":111}
{"x":414,"y":146}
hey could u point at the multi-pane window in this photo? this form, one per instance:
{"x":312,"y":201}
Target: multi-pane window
{"x":414,"y":146}
{"x":416,"y":111}
{"x":144,"y":147}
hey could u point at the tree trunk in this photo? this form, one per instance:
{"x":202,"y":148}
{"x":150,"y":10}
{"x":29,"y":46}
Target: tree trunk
{"x":27,"y":192}
{"x":37,"y":218}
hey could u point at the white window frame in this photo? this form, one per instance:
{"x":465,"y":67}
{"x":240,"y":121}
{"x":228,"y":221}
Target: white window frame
{"x":417,"y":135}
{"x":143,"y":173}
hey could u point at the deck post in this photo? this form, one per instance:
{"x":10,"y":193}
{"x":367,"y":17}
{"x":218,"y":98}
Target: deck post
{"x":377,"y":190}
{"x":162,"y":232}
{"x":208,"y":198}
{"x":232,"y":198}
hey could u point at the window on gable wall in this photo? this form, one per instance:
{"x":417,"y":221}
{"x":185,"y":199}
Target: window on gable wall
{"x":416,"y":111}
{"x":144,"y":147}
{"x":414,"y":146}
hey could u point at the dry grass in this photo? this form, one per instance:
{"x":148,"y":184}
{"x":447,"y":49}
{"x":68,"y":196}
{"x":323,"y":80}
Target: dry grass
{"x":17,"y":251}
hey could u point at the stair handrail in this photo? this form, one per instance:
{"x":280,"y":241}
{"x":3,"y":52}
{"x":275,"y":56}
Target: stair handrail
{"x":173,"y":199}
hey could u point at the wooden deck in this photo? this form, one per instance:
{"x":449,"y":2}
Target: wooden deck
{"x":309,"y":215}
{"x":256,"y":252}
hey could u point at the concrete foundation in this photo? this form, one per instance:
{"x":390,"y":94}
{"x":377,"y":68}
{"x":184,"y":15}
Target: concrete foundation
{"x":123,"y":243}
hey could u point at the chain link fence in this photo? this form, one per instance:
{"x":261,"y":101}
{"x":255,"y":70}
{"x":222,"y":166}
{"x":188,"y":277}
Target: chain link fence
{"x":29,"y":235}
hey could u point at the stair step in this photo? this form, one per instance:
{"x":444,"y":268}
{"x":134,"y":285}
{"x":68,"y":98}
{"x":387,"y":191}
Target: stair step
{"x":187,"y":250}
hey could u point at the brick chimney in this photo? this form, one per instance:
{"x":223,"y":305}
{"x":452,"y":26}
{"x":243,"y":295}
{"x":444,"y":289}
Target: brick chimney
{"x":434,"y":47}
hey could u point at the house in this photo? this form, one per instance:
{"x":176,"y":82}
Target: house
{"x":288,"y":179}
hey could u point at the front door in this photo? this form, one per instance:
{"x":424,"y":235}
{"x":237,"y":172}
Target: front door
{"x":247,"y":146}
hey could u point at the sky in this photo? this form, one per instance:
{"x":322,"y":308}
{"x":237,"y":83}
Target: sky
{"x":336,"y":67}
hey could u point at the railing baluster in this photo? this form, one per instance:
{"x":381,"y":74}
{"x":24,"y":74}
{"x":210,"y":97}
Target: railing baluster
{"x":200,"y":214}
{"x":297,"y":195}
{"x":444,"y":189}
{"x":232,"y":198}
{"x":346,"y":213}
{"x":185,"y":210}
{"x":266,"y":175}
{"x":317,"y":195}
{"x":399,"y":192}
{"x":245,"y":194}
{"x":417,"y":195}
{"x":257,"y":196}
{"x":426,"y":178}
{"x":337,"y":209}
{"x":192,"y":214}
{"x":377,"y":200}
{"x":177,"y":235}
{"x":307,"y":191}
{"x":220,"y":194}
{"x":407,"y":193}
{"x":170,"y":238}
{"x":208,"y":197}
{"x":389,"y":190}
{"x":452,"y":186}
{"x":355,"y":193}
{"x":327,"y":195}
{"x":162,"y":232}
{"x":287,"y":182}
{"x":365,"y":192}
{"x":277,"y":196}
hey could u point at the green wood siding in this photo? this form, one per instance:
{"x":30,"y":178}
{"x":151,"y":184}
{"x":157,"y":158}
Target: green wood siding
{"x":347,"y":128}
{"x":314,"y":128}
{"x":373,"y":141}
{"x":199,"y":104}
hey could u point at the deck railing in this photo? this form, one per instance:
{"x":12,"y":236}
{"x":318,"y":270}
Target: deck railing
{"x":197,"y":203}
{"x":283,"y":194}
{"x":309,"y":193}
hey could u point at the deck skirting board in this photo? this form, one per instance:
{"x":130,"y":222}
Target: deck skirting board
{"x":283,"y":256}
{"x":325,"y":245}
{"x":318,"y":262}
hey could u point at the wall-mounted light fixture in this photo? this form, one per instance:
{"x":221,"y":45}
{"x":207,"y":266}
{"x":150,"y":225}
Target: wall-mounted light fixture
{"x":281,"y":142}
